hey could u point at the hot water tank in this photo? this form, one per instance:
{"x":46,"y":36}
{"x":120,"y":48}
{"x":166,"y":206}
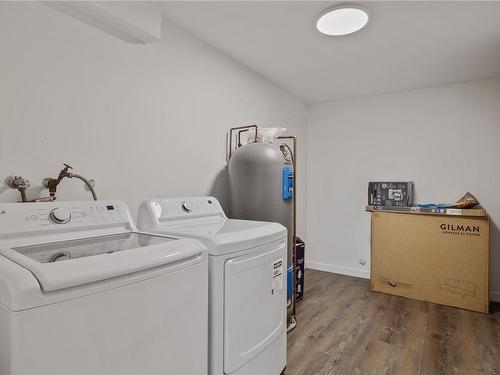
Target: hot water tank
{"x":261,"y":180}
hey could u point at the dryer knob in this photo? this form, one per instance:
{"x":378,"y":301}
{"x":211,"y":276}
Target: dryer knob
{"x":186,"y":207}
{"x":60,"y":215}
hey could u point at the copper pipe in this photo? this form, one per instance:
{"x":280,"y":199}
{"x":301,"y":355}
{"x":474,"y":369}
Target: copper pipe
{"x":43,"y":199}
{"x":20,"y":184}
{"x":23,"y":194}
{"x":294,"y":237}
{"x":53,"y":182}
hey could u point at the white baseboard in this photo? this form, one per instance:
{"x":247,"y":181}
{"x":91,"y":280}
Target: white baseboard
{"x":338,"y":269}
{"x":495,"y":296}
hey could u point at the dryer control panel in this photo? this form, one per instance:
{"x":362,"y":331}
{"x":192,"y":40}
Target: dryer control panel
{"x":170,"y":209}
{"x":27,"y":217}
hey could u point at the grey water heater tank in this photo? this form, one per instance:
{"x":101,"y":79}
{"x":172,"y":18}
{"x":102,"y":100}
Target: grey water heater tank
{"x":256,"y":179}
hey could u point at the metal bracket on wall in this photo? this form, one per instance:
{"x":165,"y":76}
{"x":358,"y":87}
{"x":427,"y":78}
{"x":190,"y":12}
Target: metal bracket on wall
{"x":241,"y":129}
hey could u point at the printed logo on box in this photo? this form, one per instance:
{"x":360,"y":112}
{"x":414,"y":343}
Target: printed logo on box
{"x":460,"y":229}
{"x":396,"y":194}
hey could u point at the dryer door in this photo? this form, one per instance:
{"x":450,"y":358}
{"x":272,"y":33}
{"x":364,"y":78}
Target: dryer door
{"x":254,"y":303}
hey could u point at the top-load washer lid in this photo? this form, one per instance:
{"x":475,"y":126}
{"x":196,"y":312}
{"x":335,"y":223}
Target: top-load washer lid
{"x":229,"y":235}
{"x":202,"y":218}
{"x":65,"y":264}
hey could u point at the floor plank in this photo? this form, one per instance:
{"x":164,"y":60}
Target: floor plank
{"x":343,"y":328}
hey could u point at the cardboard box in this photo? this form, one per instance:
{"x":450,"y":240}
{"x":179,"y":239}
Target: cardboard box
{"x":390,"y":193}
{"x":431,"y":257}
{"x":433,"y":211}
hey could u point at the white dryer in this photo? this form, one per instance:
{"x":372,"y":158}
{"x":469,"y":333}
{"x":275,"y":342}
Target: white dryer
{"x":82,"y":292}
{"x":247,"y":288}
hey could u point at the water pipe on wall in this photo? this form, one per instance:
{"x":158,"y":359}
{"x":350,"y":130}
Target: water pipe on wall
{"x":52,"y":183}
{"x":21,"y":184}
{"x":293,"y":154}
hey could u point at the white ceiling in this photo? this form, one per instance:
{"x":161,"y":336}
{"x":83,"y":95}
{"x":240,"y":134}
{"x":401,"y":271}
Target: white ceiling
{"x":406,"y":45}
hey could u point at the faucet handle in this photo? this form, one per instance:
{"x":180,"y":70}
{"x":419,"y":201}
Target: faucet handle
{"x":17,"y":182}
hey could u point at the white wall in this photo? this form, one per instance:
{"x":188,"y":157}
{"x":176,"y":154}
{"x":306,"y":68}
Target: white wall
{"x":150,"y":120}
{"x":143,"y":120}
{"x":446,"y":139}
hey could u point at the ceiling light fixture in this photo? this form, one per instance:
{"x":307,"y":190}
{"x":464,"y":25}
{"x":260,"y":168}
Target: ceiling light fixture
{"x":342,"y":20}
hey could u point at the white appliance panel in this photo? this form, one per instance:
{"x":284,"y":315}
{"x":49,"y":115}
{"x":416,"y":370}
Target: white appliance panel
{"x":125,"y":303}
{"x":155,"y":326}
{"x":254,"y":296}
{"x":247,"y":299}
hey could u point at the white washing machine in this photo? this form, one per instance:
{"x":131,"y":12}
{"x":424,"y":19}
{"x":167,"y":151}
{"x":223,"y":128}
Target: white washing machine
{"x":82,"y":292}
{"x":247,"y":285}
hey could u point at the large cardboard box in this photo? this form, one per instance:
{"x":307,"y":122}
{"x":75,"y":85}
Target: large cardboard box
{"x":431,"y":257}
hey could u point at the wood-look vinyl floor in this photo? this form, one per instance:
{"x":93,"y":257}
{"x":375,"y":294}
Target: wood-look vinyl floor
{"x":344,"y":328}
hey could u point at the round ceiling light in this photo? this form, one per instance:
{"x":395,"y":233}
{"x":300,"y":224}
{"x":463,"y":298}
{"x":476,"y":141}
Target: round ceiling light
{"x":342,"y":20}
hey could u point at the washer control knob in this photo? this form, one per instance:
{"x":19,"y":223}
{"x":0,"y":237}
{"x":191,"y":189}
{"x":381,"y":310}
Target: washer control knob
{"x":60,"y":215}
{"x":186,"y":207}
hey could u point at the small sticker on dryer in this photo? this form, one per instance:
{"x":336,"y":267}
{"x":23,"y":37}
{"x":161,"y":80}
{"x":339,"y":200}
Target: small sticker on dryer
{"x":277,"y":284}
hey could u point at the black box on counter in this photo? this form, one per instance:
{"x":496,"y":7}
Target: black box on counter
{"x":390,"y":194}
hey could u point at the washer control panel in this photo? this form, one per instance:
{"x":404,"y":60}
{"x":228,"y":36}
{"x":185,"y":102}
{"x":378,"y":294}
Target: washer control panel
{"x":16,"y":217}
